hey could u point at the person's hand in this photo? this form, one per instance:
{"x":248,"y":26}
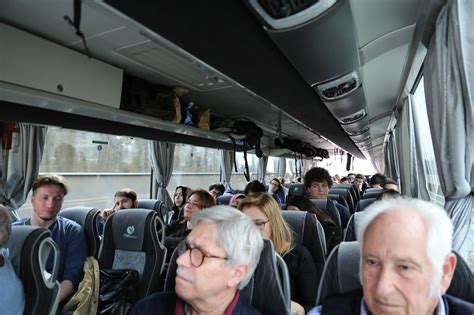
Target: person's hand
{"x":297,"y":309}
{"x":107,"y":212}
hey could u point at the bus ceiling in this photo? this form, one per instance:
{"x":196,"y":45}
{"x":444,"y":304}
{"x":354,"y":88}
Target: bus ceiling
{"x":334,"y":68}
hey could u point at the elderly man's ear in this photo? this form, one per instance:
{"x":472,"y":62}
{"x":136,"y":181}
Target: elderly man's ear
{"x":448,"y":271}
{"x":239,"y":273}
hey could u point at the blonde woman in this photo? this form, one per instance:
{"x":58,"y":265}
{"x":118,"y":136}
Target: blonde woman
{"x":266,"y":214}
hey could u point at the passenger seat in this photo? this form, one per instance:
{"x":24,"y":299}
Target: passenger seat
{"x":131,"y":242}
{"x":89,"y":219}
{"x":30,"y":247}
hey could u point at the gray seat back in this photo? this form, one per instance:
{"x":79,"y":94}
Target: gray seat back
{"x":131,"y":242}
{"x":341,"y":272}
{"x":88,"y":218}
{"x":30,"y":247}
{"x":364,"y":203}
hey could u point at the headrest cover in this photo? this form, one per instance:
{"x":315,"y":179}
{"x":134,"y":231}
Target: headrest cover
{"x":348,"y":266}
{"x":129,"y":228}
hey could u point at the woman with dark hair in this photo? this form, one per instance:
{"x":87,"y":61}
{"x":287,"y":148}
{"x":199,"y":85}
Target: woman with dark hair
{"x":266,"y":213}
{"x":179,"y":199}
{"x":330,"y":229}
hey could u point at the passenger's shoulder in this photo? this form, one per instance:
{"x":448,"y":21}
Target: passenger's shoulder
{"x":24,"y":221}
{"x":458,"y":306}
{"x":70,"y":225}
{"x":158,"y":303}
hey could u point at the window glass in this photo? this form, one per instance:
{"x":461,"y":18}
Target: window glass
{"x":427,"y":158}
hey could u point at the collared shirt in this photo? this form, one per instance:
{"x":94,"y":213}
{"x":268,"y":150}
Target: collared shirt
{"x":440,"y":310}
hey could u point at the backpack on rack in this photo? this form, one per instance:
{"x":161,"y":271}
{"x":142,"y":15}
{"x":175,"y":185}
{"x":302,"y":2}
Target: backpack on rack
{"x":249,"y":135}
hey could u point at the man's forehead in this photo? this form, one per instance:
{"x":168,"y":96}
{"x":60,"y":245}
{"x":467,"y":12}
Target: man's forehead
{"x":399,"y":221}
{"x":49,"y":188}
{"x":202,"y":236}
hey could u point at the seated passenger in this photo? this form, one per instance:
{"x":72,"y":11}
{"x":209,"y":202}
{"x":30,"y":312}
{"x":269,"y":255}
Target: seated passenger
{"x":406,"y":263}
{"x":215,"y":262}
{"x":359,"y":182}
{"x":198,"y":199}
{"x":266,"y":214}
{"x":275,"y":189}
{"x":351,"y":177}
{"x":12,"y":300}
{"x":330,"y":229}
{"x":47,"y":199}
{"x":216,"y":190}
{"x":254,"y":187}
{"x":235,"y":199}
{"x":376,"y":180}
{"x":179,"y":200}
{"x":388,"y":194}
{"x":318,"y":182}
{"x":124,"y":198}
{"x":344,"y":180}
{"x":390,"y":184}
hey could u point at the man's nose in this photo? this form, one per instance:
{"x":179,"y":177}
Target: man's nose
{"x":183,"y":260}
{"x":386,"y":282}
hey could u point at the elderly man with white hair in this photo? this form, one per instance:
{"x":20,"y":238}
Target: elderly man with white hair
{"x":216,"y":260}
{"x":406,"y":262}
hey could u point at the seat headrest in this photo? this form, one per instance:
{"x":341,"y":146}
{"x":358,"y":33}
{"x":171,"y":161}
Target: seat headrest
{"x":19,"y":236}
{"x":79,"y":214}
{"x":128,"y":227}
{"x":296,"y":220}
{"x":320,"y":203}
{"x":224,"y":199}
{"x":341,"y":272}
{"x":152,"y":204}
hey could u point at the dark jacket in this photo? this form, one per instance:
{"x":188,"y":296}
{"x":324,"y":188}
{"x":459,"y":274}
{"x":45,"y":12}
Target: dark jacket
{"x":303,"y":276}
{"x":350,"y":304}
{"x":169,"y":303}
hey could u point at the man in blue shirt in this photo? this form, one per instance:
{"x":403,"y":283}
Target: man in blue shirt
{"x":318,"y":182}
{"x":12,"y":300}
{"x":47,"y":200}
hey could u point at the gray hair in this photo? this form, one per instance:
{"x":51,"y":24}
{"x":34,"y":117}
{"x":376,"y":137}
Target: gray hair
{"x":438,"y":226}
{"x":236,"y":234}
{"x":5,"y":225}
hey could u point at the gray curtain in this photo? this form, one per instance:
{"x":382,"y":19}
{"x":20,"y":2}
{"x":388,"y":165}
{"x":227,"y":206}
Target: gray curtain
{"x":281,"y":167}
{"x":21,"y":165}
{"x":403,"y":142}
{"x":227,"y":163}
{"x":262,"y":169}
{"x":161,"y":156}
{"x":391,"y":159}
{"x":449,"y":84}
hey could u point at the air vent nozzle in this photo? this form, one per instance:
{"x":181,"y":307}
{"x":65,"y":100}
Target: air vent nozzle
{"x":339,"y":88}
{"x":358,"y":132}
{"x":282,"y":8}
{"x":353,"y":117}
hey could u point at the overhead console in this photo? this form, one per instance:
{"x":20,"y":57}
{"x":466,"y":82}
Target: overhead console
{"x":319,"y":39}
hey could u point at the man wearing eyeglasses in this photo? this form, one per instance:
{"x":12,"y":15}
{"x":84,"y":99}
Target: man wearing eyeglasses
{"x":215,"y":262}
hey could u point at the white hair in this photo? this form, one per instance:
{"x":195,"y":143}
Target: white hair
{"x":438,"y":226}
{"x":237,"y":234}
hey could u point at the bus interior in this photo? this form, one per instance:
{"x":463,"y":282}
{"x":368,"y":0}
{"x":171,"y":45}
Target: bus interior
{"x":345,"y":79}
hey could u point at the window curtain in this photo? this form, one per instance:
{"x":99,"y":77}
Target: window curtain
{"x":21,"y":166}
{"x":262,"y":169}
{"x":404,"y":145}
{"x":391,"y":159}
{"x":281,"y":167}
{"x":227,"y":162}
{"x":449,"y":88}
{"x":162,"y":156}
